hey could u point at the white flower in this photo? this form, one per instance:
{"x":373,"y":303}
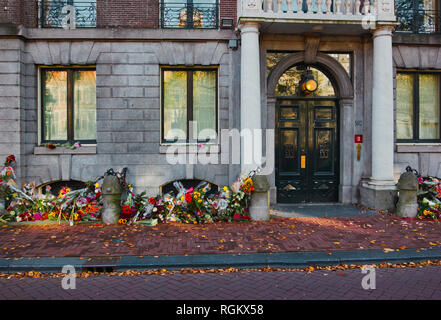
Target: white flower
{"x":155,"y":209}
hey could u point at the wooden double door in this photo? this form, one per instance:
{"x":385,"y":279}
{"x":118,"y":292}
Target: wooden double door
{"x":307,"y":150}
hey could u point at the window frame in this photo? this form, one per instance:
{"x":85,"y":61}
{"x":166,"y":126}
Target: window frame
{"x":189,"y":71}
{"x":416,"y":106}
{"x":70,"y":102}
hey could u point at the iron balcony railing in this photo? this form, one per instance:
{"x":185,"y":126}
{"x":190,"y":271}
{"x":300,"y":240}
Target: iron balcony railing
{"x":189,"y":15}
{"x":419,"y":21}
{"x":52,"y":15}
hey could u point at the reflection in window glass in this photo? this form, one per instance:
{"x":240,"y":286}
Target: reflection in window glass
{"x":404,"y":106}
{"x":429,"y":106}
{"x":175,"y":105}
{"x":204,"y":104}
{"x":288,"y":84}
{"x":344,"y":59}
{"x":189,"y":14}
{"x":55,"y":105}
{"x":273,"y":58}
{"x":85,"y":105}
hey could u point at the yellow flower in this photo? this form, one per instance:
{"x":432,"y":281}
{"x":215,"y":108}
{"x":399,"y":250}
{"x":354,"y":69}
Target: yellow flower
{"x":14,"y":194}
{"x":76,"y":216}
{"x":97,"y":185}
{"x":200,"y":200}
{"x":182,"y":198}
{"x":225,"y":188}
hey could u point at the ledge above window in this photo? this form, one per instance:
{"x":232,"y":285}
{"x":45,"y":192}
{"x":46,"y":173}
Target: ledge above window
{"x":83,"y":150}
{"x":418,"y":147}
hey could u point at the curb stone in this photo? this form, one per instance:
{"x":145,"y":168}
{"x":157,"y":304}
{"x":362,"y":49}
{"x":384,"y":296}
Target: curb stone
{"x":251,"y":260}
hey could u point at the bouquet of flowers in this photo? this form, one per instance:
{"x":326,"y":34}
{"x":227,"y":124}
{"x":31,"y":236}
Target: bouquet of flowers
{"x":429,"y":198}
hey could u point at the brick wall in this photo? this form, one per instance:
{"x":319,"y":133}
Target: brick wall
{"x":22,"y":12}
{"x":228,"y":9}
{"x":130,"y":13}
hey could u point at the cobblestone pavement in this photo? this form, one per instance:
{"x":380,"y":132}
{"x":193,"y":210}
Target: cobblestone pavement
{"x":276,"y":235}
{"x":391,"y":283}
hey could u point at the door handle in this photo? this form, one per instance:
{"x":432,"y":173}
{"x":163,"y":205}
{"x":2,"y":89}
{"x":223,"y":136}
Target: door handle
{"x":303,"y":162}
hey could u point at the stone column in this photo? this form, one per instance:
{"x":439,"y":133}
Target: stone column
{"x":346,"y":149}
{"x":379,"y":192}
{"x":250,"y":110}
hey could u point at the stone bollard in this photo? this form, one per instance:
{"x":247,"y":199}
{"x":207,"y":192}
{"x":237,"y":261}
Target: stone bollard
{"x":259,"y":207}
{"x":111,"y":191}
{"x":407,"y":187}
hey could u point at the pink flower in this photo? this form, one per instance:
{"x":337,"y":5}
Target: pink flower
{"x":77,"y":144}
{"x":420,"y":180}
{"x":190,"y":190}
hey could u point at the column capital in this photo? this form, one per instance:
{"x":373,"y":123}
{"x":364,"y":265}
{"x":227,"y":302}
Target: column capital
{"x":252,"y":27}
{"x":383,"y":31}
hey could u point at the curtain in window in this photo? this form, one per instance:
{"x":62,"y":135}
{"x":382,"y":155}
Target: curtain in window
{"x":404,"y":112}
{"x":429,"y":106}
{"x":175,"y":105}
{"x":84,"y":105}
{"x":55,"y":105}
{"x":204,"y":104}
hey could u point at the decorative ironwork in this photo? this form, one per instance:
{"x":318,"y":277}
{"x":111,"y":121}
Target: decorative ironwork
{"x":289,"y":151}
{"x":417,"y":16}
{"x":324,"y":150}
{"x":189,"y":15}
{"x":51,"y":13}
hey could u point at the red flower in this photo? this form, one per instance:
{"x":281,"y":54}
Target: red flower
{"x":152,"y":200}
{"x":51,"y":146}
{"x":188,"y":197}
{"x":236,"y":216}
{"x":126,"y":209}
{"x":10,"y":158}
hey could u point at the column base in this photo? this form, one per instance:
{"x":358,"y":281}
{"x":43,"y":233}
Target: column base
{"x":259,"y":207}
{"x":378,"y":196}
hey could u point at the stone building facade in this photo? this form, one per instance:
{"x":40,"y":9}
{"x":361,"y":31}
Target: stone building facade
{"x":127,"y":55}
{"x":348,"y":142}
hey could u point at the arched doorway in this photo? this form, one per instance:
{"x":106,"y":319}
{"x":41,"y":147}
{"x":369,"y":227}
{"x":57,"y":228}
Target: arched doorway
{"x":307,"y":130}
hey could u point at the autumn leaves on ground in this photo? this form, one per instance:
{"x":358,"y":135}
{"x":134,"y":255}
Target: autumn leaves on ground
{"x":385,"y":232}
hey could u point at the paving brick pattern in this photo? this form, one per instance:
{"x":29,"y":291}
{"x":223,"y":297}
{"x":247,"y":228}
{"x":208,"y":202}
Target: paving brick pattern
{"x":277,"y":235}
{"x":394,"y":283}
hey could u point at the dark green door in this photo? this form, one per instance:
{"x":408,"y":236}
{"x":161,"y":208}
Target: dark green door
{"x":306,"y":150}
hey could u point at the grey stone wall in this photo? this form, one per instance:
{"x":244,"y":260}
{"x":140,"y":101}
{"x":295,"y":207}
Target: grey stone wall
{"x":426,"y":158}
{"x":11,"y":100}
{"x":128,"y":108}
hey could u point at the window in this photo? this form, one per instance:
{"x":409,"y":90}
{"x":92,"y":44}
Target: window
{"x":418,"y":107}
{"x":53,"y":13}
{"x":190,"y":14}
{"x":418,"y":16}
{"x":68,"y":105}
{"x":189,"y":105}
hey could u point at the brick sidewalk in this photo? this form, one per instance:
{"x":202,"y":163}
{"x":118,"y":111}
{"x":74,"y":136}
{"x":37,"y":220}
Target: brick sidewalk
{"x":393,"y":283}
{"x":277,"y":235}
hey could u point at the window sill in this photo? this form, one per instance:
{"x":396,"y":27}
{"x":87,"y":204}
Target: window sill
{"x":83,"y":150}
{"x":418,"y":147}
{"x":190,"y":148}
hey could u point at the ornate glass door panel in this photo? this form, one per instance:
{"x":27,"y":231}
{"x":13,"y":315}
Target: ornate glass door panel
{"x":306,"y":151}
